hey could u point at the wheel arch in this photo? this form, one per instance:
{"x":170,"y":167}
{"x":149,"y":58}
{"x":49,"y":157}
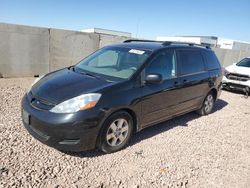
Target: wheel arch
{"x":130,"y":112}
{"x":133,"y":115}
{"x":214,"y":92}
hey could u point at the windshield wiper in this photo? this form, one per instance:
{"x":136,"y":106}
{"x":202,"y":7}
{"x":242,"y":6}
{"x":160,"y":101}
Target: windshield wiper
{"x":91,"y":75}
{"x":72,"y":68}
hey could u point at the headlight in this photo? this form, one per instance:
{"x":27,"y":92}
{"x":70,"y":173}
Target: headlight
{"x":35,"y":81}
{"x":225,"y":72}
{"x":75,"y":104}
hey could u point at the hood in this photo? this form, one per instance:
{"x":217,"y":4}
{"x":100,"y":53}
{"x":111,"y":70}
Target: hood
{"x":238,"y":69}
{"x":64,"y":84}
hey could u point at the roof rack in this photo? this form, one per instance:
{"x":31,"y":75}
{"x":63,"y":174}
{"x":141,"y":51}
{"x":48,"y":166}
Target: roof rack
{"x":185,"y":43}
{"x":167,"y":42}
{"x":139,"y":40}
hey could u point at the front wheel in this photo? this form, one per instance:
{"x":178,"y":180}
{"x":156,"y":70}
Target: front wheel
{"x":117,"y":131}
{"x":207,"y":105}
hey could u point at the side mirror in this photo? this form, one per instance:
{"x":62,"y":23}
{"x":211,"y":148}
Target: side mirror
{"x":153,"y":78}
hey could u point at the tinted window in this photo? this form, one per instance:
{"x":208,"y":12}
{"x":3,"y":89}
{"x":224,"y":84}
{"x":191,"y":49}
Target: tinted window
{"x":164,"y":63}
{"x":212,"y":61}
{"x":191,"y":61}
{"x":244,"y":62}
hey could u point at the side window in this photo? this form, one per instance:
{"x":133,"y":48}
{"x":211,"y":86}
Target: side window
{"x":191,"y":61}
{"x":164,"y":63}
{"x":212,"y":61}
{"x":108,"y":58}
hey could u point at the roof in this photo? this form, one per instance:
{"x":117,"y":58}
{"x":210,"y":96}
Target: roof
{"x":142,"y":45}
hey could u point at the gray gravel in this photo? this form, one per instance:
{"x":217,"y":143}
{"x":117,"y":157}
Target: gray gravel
{"x":188,"y":151}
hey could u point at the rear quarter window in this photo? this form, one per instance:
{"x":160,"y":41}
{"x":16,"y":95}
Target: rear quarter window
{"x":212,"y":61}
{"x":191,"y":61}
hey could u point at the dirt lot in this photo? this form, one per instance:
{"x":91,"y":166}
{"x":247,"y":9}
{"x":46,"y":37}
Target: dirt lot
{"x":188,"y":151}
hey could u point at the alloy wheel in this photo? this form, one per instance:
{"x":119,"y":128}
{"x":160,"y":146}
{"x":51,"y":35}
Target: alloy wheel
{"x":209,"y":103}
{"x":117,"y":132}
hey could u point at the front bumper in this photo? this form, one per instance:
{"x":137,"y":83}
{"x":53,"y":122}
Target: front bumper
{"x":235,"y":84}
{"x":69,"y":132}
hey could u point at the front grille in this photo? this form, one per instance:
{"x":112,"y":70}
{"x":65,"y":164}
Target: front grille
{"x":236,"y":86}
{"x":38,"y":103}
{"x":239,"y":77}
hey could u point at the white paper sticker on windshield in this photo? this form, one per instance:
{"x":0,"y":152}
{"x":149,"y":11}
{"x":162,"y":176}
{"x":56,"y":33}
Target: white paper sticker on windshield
{"x":134,"y":51}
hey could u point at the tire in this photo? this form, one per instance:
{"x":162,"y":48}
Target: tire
{"x":117,"y":131}
{"x":207,"y":105}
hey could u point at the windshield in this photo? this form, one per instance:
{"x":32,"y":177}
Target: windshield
{"x":244,"y":63}
{"x":116,"y":62}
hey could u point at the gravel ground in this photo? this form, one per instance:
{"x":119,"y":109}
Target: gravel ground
{"x":188,"y":151}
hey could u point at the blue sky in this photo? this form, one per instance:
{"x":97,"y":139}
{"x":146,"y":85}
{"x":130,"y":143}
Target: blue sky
{"x":146,"y":19}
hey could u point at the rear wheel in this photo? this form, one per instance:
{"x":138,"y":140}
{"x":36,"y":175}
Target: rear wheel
{"x":117,"y":131}
{"x":207,"y":105}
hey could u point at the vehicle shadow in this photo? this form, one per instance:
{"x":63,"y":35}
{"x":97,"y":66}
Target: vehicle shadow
{"x":219,"y":104}
{"x":177,"y":121}
{"x":155,"y":130}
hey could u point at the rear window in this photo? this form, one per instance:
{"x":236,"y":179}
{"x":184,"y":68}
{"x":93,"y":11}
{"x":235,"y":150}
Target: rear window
{"x":212,"y":61}
{"x":191,"y":61}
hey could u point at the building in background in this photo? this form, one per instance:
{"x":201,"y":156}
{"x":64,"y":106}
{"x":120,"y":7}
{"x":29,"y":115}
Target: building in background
{"x":233,"y":44}
{"x":211,"y":41}
{"x":204,"y":40}
{"x":107,"y":32}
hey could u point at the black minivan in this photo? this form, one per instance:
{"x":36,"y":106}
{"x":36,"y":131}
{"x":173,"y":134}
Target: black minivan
{"x":119,"y":90}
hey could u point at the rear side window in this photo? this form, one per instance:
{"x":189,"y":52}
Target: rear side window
{"x":191,"y":61}
{"x":212,"y":61}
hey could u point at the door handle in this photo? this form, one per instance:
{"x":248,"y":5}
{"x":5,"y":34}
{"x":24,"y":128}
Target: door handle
{"x":174,"y":86}
{"x":184,"y":81}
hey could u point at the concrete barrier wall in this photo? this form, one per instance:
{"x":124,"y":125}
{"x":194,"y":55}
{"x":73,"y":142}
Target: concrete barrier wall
{"x":110,"y":39}
{"x":69,"y":47}
{"x":228,"y":57}
{"x":24,"y":51}
{"x":244,"y":54}
{"x":29,"y":51}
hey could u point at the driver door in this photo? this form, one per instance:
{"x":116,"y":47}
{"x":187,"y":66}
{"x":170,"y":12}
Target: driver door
{"x":160,"y":100}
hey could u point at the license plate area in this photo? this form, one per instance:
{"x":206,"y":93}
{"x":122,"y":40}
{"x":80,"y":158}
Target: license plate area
{"x":26,"y":117}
